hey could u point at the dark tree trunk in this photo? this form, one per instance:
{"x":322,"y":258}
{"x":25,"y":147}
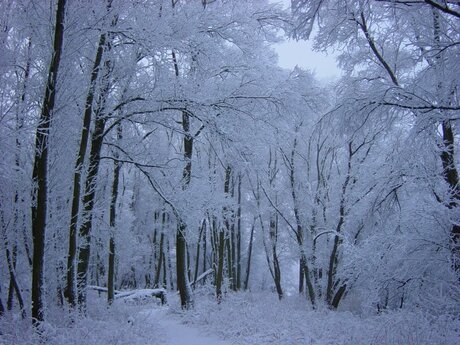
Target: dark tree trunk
{"x":276,"y":265}
{"x":11,"y":261}
{"x":205,"y":253}
{"x":10,"y":257}
{"x":248,"y":267}
{"x":301,"y":276}
{"x":238,"y":237}
{"x":156,"y":282}
{"x":2,"y":308}
{"x":40,"y":170}
{"x":451,"y":177}
{"x":90,"y":189}
{"x":306,"y":273}
{"x":198,"y":248}
{"x":229,"y":228}
{"x":334,"y":257}
{"x":450,"y":171}
{"x":338,"y":296}
{"x":220,"y":265}
{"x":154,"y":245}
{"x":112,"y":219}
{"x":183,"y":284}
{"x":214,"y":233}
{"x":299,"y":232}
{"x":165,"y":283}
{"x":171,"y":281}
{"x":70,"y":292}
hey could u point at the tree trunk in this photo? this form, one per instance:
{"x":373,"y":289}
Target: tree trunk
{"x":171,"y":280}
{"x":10,"y":258}
{"x":273,"y":232}
{"x":304,"y":272}
{"x":205,"y":253}
{"x":40,"y":170}
{"x":112,"y":219}
{"x":334,"y":257}
{"x":220,"y":265}
{"x":71,"y":288}
{"x":165,"y":283}
{"x":238,"y":237}
{"x":338,"y":296}
{"x":198,"y":248}
{"x":248,"y":267}
{"x":271,"y":254}
{"x":2,"y":308}
{"x":183,"y":284}
{"x":90,"y":189}
{"x":156,"y":282}
{"x":451,"y":177}
{"x":13,"y":286}
{"x":450,"y":172}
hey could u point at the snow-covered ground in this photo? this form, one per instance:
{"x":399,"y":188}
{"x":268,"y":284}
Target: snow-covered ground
{"x":242,"y":318}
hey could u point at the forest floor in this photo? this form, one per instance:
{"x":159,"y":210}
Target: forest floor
{"x":241,"y":319}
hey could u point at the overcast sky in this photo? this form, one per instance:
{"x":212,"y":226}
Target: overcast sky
{"x":292,"y":53}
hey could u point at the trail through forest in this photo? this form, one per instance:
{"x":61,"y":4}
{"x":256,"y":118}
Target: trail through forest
{"x":175,"y":333}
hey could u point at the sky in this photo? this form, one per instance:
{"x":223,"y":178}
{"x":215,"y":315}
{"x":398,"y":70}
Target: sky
{"x":300,"y":53}
{"x":292,"y":53}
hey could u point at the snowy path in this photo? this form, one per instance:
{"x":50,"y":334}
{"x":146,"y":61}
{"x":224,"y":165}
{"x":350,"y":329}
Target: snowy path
{"x":176,"y":333}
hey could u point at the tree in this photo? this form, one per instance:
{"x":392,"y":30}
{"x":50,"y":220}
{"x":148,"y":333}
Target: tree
{"x":112,"y":217}
{"x":71,"y":287}
{"x":382,"y":44}
{"x":40,"y":169}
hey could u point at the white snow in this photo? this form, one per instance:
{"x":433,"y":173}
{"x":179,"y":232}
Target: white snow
{"x":176,"y":333}
{"x":241,"y":319}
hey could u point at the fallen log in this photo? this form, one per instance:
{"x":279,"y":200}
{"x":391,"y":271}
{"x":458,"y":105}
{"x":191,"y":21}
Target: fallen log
{"x":202,"y":276}
{"x":143,"y":294}
{"x":135,"y":295}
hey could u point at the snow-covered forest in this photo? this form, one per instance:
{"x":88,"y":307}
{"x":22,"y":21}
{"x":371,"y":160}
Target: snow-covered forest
{"x":158,"y":168}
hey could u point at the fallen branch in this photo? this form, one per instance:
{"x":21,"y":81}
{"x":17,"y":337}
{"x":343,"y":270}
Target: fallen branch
{"x":137,"y":294}
{"x":100,"y":288}
{"x":142,"y":294}
{"x":202,"y":276}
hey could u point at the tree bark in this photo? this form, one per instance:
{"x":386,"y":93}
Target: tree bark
{"x":171,"y":281}
{"x":40,"y":170}
{"x":205,"y":253}
{"x":156,"y":282}
{"x":183,"y":283}
{"x":112,"y":219}
{"x":70,"y":292}
{"x":220,"y":265}
{"x":451,"y":178}
{"x":2,"y":308}
{"x":333,"y":258}
{"x":248,"y":267}
{"x":450,"y":172}
{"x":12,"y":257}
{"x":11,"y":261}
{"x":304,"y":271}
{"x":90,"y":188}
{"x":238,"y":237}
{"x":273,"y":232}
{"x":198,"y":248}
